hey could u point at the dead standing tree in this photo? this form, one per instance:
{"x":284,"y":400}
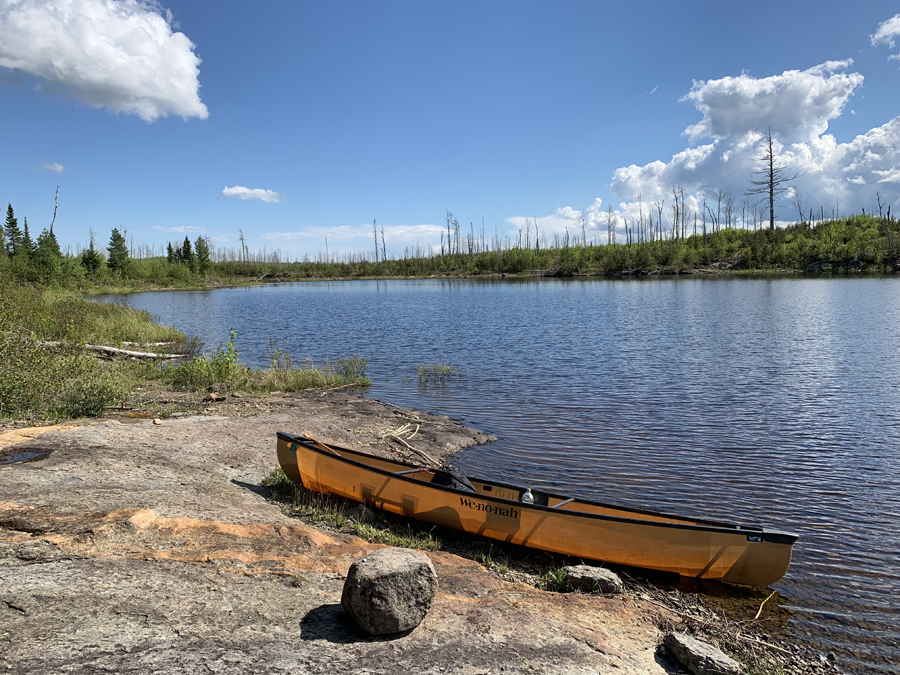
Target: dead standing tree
{"x":772,"y":177}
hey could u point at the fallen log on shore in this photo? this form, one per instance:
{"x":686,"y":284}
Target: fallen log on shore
{"x":116,"y":351}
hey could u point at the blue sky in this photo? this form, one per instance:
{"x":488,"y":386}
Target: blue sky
{"x":301,"y":121}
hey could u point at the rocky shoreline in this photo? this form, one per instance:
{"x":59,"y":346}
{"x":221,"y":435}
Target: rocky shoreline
{"x":128,"y":545}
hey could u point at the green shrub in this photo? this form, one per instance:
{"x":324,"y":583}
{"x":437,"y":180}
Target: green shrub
{"x":435,"y":372}
{"x":88,"y":396}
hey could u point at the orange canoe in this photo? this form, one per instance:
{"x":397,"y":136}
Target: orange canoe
{"x":703,"y":549}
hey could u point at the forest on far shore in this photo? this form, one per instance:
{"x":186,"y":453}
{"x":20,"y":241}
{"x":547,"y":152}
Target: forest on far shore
{"x":854,"y":244}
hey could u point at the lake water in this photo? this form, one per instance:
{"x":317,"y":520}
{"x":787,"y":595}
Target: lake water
{"x":756,"y":400}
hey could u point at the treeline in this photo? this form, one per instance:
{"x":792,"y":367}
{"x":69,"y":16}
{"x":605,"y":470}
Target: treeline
{"x":41,"y":262}
{"x":859,"y":243}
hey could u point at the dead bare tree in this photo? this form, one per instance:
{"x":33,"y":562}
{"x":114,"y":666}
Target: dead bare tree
{"x":449,"y":235}
{"x":55,"y":207}
{"x":745,"y":207}
{"x":676,"y":212}
{"x":660,"y":205}
{"x":611,"y":219}
{"x":797,"y":201}
{"x":375,"y":232}
{"x":773,"y":177}
{"x":729,"y":209}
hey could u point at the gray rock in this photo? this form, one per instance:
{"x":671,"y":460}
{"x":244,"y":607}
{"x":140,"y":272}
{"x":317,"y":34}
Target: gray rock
{"x":390,"y":590}
{"x":701,"y":658}
{"x":363,"y":514}
{"x":587,"y":578}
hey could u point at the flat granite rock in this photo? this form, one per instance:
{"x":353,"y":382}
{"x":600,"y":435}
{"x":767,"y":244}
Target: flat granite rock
{"x":141,"y":548}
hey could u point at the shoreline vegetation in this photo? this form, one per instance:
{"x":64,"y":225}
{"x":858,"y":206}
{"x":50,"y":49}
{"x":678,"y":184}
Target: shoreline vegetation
{"x":47,"y":325}
{"x":52,"y":370}
{"x":856,"y":244}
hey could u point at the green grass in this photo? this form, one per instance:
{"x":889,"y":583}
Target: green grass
{"x":222,"y":372}
{"x":344,"y":515}
{"x":556,"y":579}
{"x":435,"y":372}
{"x":60,"y":381}
{"x":37,"y":382}
{"x":45,"y":373}
{"x":54,"y":314}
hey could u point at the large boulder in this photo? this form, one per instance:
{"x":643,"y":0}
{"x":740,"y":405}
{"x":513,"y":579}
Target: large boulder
{"x":701,"y":658}
{"x":390,"y":590}
{"x":587,"y":578}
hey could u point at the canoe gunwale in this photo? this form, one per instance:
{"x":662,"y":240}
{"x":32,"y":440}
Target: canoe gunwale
{"x":771,"y":536}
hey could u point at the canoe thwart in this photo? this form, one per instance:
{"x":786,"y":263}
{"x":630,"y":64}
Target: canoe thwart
{"x":419,"y":470}
{"x":556,"y":506}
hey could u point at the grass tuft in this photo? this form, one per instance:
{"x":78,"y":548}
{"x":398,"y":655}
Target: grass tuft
{"x":222,"y":372}
{"x":435,"y":372}
{"x":45,"y":374}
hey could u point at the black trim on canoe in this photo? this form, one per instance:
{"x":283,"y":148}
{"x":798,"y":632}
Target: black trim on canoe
{"x":752,"y":531}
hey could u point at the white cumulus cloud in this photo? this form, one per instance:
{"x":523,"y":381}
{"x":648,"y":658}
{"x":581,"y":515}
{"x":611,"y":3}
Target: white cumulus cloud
{"x":575,"y":222}
{"x":242,"y":192}
{"x":795,"y":103}
{"x":736,"y":112}
{"x":358,"y":239}
{"x":53,"y":166}
{"x":181,"y":229}
{"x":362,"y":235}
{"x":797,"y":106}
{"x":886,"y":32}
{"x":122,"y":55}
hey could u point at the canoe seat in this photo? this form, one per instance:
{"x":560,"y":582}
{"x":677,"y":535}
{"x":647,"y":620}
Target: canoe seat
{"x":450,"y":477}
{"x":540,"y":498}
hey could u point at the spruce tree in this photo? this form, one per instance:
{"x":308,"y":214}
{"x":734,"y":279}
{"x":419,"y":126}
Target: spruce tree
{"x":47,"y":258}
{"x":170,"y":254}
{"x":201,"y":248}
{"x":12,"y":231}
{"x":187,"y":255}
{"x":47,"y":244}
{"x":118,"y":252}
{"x":28,"y":246}
{"x":91,"y":258}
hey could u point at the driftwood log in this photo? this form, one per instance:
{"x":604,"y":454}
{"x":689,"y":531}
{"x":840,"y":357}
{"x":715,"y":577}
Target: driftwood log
{"x":116,"y":351}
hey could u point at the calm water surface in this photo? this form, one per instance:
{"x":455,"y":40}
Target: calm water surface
{"x":771,"y":401}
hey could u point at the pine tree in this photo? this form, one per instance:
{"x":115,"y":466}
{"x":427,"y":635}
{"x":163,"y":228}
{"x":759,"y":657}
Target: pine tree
{"x":170,"y":254}
{"x":47,"y":258}
{"x":118,"y":252}
{"x":91,"y":259}
{"x":201,"y":246}
{"x":28,"y":246}
{"x":187,"y":255}
{"x":12,"y":231}
{"x":47,"y":244}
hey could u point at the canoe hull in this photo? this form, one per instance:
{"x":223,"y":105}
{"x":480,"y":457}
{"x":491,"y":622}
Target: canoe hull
{"x":744,"y":556}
